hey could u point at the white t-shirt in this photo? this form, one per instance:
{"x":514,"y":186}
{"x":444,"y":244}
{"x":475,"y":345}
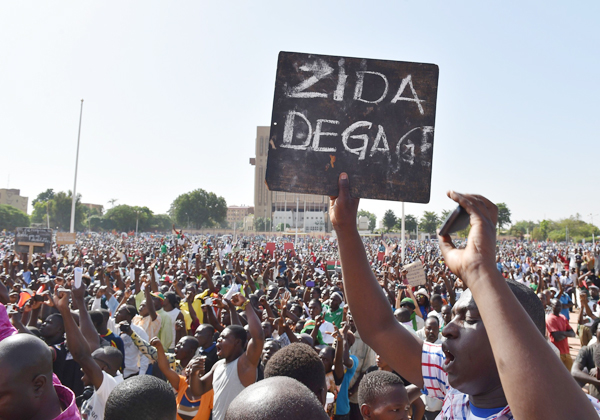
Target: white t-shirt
{"x":135,"y":361}
{"x":93,"y":409}
{"x":325,"y":327}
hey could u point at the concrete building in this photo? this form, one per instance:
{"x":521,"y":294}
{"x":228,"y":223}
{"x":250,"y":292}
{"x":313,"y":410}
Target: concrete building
{"x":363,"y":223}
{"x":236,"y":215}
{"x":13,"y":197}
{"x":248,"y":225}
{"x":280,"y":207}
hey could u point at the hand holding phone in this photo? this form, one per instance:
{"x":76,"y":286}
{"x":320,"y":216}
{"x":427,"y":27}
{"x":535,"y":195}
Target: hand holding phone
{"x":459,"y":219}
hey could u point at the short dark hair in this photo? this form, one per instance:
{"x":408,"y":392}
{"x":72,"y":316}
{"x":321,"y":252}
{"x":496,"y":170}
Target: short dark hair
{"x":317,"y":301}
{"x":531,"y":303}
{"x":281,"y":397}
{"x":375,"y":384}
{"x":298,"y":361}
{"x":208,"y":327}
{"x":238,"y":332}
{"x":131,"y":310}
{"x":96,"y":317}
{"x":141,"y":398}
{"x":172,"y":298}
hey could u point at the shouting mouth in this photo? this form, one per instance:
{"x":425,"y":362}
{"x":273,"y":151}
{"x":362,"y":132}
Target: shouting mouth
{"x":449,"y":361}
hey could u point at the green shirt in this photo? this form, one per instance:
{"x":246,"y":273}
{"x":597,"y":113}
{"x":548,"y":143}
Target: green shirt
{"x":335,"y":317}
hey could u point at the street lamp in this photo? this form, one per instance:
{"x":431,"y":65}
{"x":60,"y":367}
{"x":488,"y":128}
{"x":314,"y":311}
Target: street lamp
{"x":137,"y":217}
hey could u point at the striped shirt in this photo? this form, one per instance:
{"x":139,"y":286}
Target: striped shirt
{"x":456,"y":404}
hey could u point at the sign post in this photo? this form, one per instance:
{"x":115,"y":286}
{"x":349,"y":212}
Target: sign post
{"x":31,"y":245}
{"x":27,"y":239}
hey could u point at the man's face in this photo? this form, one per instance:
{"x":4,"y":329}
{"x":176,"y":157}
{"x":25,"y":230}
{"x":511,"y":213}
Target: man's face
{"x":446,"y":314}
{"x":51,"y":327}
{"x":326,"y":355}
{"x":556,"y":306}
{"x":122,"y":315}
{"x":204,"y":336}
{"x":392,"y":405}
{"x":17,"y":395}
{"x":226,"y":344}
{"x":468,"y":350}
{"x":267,"y":329}
{"x":314,"y":309}
{"x":335,"y":302}
{"x":269,"y":349}
{"x":432,"y":329}
{"x":183,"y":348}
{"x":143,"y":309}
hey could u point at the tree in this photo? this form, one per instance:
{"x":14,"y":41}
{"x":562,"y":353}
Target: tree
{"x":161,"y":222}
{"x":123,"y":218}
{"x":503,"y":215}
{"x":44,"y":196}
{"x":12,"y":218}
{"x":199,"y":209}
{"x":410,"y":223}
{"x":544,"y":226}
{"x":521,"y":228}
{"x":261,"y":224}
{"x":372,"y":218}
{"x":59,"y":211}
{"x":429,"y":222}
{"x":282,"y":227}
{"x":389,"y":220}
{"x":444,"y":216}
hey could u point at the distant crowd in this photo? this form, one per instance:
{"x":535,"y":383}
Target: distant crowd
{"x":199,"y":327}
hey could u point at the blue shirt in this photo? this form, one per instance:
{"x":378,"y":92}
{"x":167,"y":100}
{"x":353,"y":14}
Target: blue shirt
{"x":342,"y":404}
{"x":565,"y":299}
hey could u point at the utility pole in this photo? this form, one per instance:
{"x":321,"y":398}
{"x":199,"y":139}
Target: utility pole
{"x":74,"y":197}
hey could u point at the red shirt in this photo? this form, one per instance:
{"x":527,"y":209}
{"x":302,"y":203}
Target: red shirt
{"x":558,"y":323}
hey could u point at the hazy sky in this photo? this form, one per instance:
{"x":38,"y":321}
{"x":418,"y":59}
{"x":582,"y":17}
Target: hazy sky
{"x":174,"y":91}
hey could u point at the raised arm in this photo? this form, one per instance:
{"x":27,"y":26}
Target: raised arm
{"x":249,"y":360}
{"x":163,"y":364}
{"x":149,"y":302}
{"x":78,"y":346}
{"x":338,"y":360}
{"x":370,"y":308}
{"x":85,"y":322}
{"x":529,"y":371}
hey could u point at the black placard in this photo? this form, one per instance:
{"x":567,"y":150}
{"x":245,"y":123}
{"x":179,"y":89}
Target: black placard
{"x":373,"y":119}
{"x":33,"y":235}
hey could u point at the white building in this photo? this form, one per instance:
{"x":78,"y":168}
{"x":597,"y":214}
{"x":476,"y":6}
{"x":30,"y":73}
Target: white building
{"x":363,"y":223}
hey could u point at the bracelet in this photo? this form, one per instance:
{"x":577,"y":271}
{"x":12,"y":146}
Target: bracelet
{"x":243,"y":305}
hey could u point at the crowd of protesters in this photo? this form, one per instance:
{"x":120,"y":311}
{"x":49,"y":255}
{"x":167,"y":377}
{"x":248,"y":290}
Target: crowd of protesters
{"x":198,"y":327}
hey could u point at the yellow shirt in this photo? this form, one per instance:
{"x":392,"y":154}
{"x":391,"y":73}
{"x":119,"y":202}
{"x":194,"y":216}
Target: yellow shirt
{"x":197,"y":305}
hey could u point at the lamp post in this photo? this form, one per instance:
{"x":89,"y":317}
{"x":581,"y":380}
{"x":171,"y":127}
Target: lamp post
{"x":74,"y":197}
{"x":137,"y":217}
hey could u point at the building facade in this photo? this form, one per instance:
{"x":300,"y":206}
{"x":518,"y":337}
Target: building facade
{"x":13,"y":197}
{"x":280,"y":207}
{"x":237,"y":214}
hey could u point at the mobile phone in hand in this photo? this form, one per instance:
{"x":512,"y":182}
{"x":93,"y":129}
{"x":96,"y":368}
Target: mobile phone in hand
{"x":125,"y":327}
{"x":457,"y":220}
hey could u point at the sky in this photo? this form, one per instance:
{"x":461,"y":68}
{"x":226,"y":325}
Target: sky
{"x":173,"y":92}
